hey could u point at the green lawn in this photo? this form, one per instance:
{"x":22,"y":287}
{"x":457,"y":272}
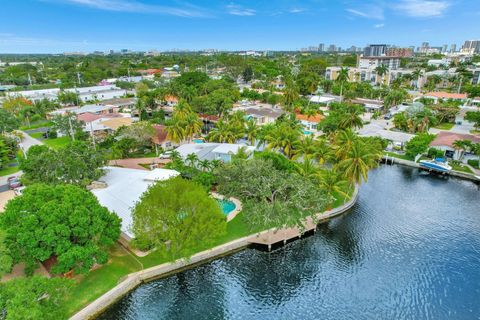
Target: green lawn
{"x":57,"y":143}
{"x":36,"y":125}
{"x":9,"y":170}
{"x":461,"y":168}
{"x":445,"y":126}
{"x":399,"y":156}
{"x":99,"y":281}
{"x":36,"y":135}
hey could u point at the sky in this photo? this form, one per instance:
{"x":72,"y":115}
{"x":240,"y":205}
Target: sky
{"x":55,"y":26}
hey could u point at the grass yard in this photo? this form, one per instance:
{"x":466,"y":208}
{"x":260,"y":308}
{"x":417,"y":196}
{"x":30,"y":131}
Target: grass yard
{"x":9,"y":170}
{"x":461,"y":168}
{"x":36,"y":125}
{"x":399,"y":156}
{"x":121,"y":263}
{"x":57,"y":143}
{"x":445,"y":126}
{"x":101,"y":280}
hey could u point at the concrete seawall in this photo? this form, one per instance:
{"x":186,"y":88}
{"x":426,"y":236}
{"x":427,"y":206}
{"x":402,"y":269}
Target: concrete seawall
{"x":135,"y":279}
{"x":408,"y":163}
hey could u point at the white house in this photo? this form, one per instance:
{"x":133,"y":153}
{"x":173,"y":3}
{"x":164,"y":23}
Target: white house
{"x":124,"y":187}
{"x":213,"y":151}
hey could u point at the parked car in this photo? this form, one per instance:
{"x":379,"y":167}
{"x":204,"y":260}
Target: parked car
{"x":19,"y":191}
{"x":166,"y":155}
{"x":388,"y":116}
{"x":13,"y":183}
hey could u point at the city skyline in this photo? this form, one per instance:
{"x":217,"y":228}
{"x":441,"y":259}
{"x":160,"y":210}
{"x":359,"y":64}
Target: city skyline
{"x":56,"y":26}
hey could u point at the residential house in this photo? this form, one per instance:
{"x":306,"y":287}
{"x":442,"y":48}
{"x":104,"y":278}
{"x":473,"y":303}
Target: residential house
{"x":213,"y":151}
{"x":309,"y":123}
{"x":263,"y":115}
{"x":437,"y":96}
{"x":122,"y":188}
{"x":445,"y":141}
{"x":160,"y":139}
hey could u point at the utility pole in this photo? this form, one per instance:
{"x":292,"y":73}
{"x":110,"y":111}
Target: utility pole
{"x":29,"y":78}
{"x":71,"y":129}
{"x":78,"y":77}
{"x":93,"y":136}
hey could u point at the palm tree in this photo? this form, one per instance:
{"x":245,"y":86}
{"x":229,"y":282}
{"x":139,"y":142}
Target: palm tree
{"x":323,"y":151}
{"x":351,"y":119}
{"x":192,"y":159}
{"x":175,"y":130}
{"x":193,"y":125}
{"x":382,"y":71}
{"x":304,"y":147}
{"x":307,"y":168}
{"x":417,"y":74}
{"x":225,"y":132}
{"x":358,"y":160}
{"x":343,"y":142}
{"x":342,"y":77}
{"x":251,"y":131}
{"x":283,"y":137}
{"x":332,"y":183}
{"x":175,"y":155}
{"x":204,"y":165}
{"x":290,"y":94}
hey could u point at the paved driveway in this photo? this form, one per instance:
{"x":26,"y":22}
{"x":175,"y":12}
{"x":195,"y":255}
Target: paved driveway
{"x":28,"y":142}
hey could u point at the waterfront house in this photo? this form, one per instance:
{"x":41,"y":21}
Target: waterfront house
{"x":213,"y":151}
{"x":121,"y":188}
{"x":445,"y":141}
{"x":437,"y":96}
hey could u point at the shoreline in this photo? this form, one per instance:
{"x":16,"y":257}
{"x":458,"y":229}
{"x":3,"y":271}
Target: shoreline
{"x":133,"y":280}
{"x":412,"y":164}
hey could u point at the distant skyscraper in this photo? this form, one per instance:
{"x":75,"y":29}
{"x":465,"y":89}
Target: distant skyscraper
{"x":425,"y":44}
{"x":453,"y":48}
{"x":471,"y":46}
{"x":412,"y":48}
{"x":445,"y":48}
{"x":321,"y":47}
{"x":375,"y":50}
{"x":332,"y":48}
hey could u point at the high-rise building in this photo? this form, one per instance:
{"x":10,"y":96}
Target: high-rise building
{"x":425,"y":44}
{"x":332,"y":48}
{"x":399,"y":52}
{"x":375,"y":50}
{"x":412,"y":48}
{"x":321,"y":47}
{"x":472,"y":46}
{"x":445,"y":48}
{"x":453,"y":48}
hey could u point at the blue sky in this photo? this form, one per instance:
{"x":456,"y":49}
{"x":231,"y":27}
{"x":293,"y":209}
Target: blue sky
{"x":31,"y":26}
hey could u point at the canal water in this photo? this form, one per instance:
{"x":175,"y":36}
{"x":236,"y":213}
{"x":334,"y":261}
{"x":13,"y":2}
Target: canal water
{"x":409,"y":249}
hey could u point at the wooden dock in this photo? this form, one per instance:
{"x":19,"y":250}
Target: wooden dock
{"x":275,"y":237}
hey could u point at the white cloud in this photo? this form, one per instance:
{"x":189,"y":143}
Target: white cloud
{"x":423,"y":8}
{"x":237,"y":10}
{"x":369,"y":12}
{"x":296,"y":10}
{"x":379,"y":25}
{"x":137,"y":7}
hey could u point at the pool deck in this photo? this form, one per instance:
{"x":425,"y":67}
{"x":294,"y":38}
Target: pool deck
{"x":273,"y":237}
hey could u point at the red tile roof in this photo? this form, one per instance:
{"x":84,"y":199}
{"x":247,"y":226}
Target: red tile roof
{"x":315,"y":119}
{"x":448,"y":138}
{"x":88,"y":117}
{"x":446,"y":95}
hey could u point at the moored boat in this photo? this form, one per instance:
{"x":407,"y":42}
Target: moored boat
{"x":439,"y":165}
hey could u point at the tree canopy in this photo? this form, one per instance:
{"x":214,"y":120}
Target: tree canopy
{"x":175,"y":215}
{"x":34,"y":298}
{"x":63,"y":222}
{"x":78,"y":163}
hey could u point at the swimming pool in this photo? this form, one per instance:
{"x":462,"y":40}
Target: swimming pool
{"x":307,"y":132}
{"x":198,"y":141}
{"x":227,"y":206}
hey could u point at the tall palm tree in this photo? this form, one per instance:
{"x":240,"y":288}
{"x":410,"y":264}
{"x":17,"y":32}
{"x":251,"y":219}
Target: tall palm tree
{"x":192,"y":159}
{"x":307,"y":168}
{"x":251,"y":131}
{"x":417,"y":74}
{"x":175,"y":130}
{"x":351,"y":119}
{"x":193,"y":125}
{"x":382,"y":71}
{"x":358,"y":160}
{"x":333,"y":183}
{"x":304,"y":147}
{"x":205,"y":165}
{"x":323,"y":151}
{"x":343,"y":142}
{"x":342,"y":77}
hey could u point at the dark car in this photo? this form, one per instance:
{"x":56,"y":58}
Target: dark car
{"x":13,"y":183}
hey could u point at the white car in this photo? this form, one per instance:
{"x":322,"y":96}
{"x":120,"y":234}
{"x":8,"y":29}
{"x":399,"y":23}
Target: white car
{"x":18,"y":191}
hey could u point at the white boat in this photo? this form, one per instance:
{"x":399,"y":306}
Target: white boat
{"x":439,"y":165}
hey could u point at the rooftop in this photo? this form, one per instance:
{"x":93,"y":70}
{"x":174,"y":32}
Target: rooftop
{"x":124,"y":189}
{"x":315,"y":119}
{"x":447,"y":139}
{"x":446,"y":95}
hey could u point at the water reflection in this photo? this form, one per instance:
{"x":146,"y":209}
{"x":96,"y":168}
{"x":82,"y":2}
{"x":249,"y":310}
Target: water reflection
{"x":410,"y":249}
